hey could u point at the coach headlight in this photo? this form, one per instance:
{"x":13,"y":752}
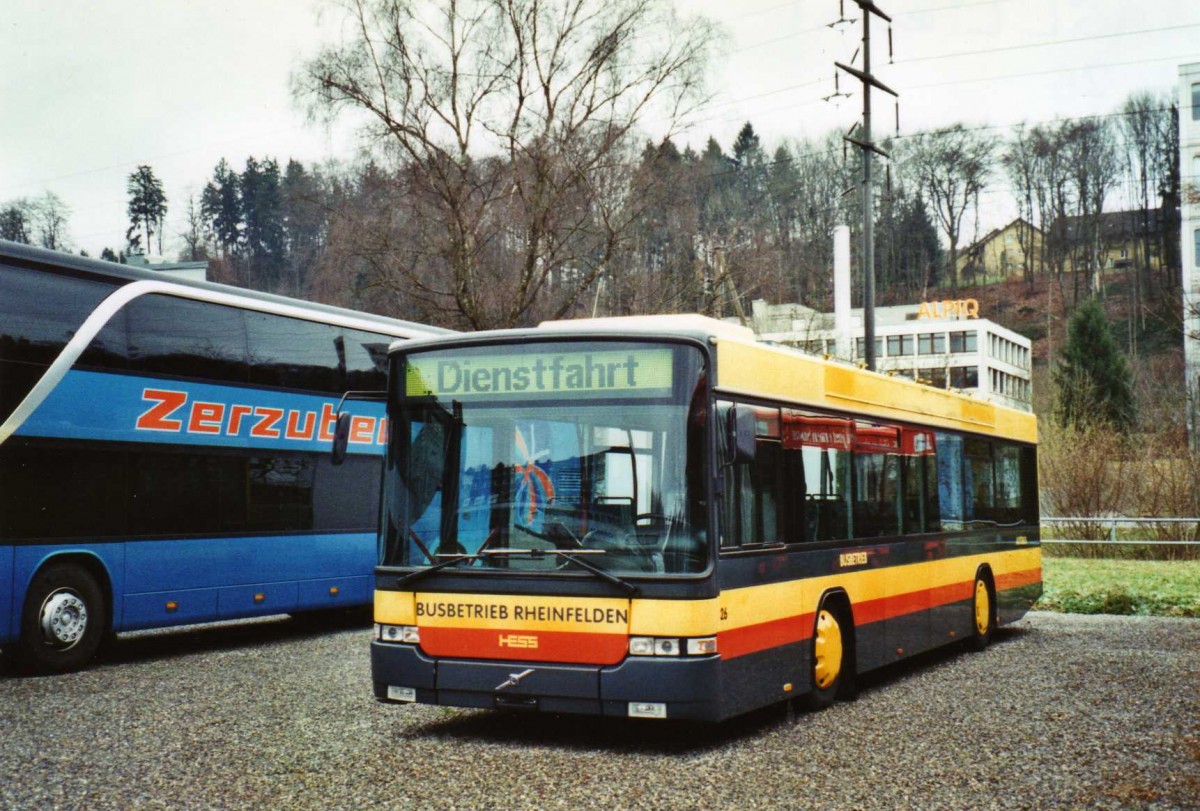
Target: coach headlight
{"x":407,"y":634}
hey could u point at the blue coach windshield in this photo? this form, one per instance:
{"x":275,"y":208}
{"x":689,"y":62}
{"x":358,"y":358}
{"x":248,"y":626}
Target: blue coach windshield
{"x":519,"y":454}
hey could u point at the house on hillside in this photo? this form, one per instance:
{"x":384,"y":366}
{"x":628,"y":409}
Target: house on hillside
{"x":1127,"y":239}
{"x":1003,"y":253}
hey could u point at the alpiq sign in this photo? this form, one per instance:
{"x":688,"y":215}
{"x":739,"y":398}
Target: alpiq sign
{"x":950,"y":308}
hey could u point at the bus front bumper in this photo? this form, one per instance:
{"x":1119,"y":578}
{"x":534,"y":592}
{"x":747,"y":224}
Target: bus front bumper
{"x":685,"y":687}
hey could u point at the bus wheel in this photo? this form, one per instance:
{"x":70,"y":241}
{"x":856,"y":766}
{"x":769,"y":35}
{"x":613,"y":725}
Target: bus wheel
{"x":829,"y":659}
{"x":64,"y":620}
{"x":983,"y":617}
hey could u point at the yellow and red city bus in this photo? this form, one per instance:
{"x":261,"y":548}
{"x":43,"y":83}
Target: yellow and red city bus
{"x":660,"y":517}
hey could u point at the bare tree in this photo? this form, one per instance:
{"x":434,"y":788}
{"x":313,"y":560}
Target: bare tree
{"x":823,"y":179}
{"x":953,"y":166}
{"x":1092,"y":155}
{"x":49,"y":216}
{"x":1053,"y":195}
{"x":1139,"y":138}
{"x":510,"y":124}
{"x":1020,"y":161}
{"x":194,"y":233}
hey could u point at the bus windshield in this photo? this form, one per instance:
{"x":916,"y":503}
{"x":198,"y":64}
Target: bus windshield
{"x":543,"y":458}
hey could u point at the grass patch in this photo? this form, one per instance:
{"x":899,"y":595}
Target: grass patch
{"x":1096,"y":586}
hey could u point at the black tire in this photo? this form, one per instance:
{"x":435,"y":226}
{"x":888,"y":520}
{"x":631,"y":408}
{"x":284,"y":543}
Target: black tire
{"x":830,"y":657}
{"x":983,"y":614}
{"x":64,"y":620}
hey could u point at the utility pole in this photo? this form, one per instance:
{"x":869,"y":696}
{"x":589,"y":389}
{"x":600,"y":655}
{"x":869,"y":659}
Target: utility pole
{"x":868,"y":196}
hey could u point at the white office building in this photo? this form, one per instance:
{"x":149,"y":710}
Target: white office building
{"x":1189,"y":169}
{"x":944,"y":344}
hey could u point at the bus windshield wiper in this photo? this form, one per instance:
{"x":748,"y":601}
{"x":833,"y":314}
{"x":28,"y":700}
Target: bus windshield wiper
{"x":412,"y":577}
{"x":574,"y":556}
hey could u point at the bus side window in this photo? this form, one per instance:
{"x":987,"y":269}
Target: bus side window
{"x":818,"y":450}
{"x":877,"y":480}
{"x":950,"y":496}
{"x":110,"y":348}
{"x":364,"y":357}
{"x":1000,"y":483}
{"x":1007,"y":470}
{"x":752,"y":509}
{"x":39,"y":314}
{"x":979,"y":489}
{"x":1029,"y":486}
{"x":295,"y":354}
{"x":918,"y":474}
{"x":194,"y":339}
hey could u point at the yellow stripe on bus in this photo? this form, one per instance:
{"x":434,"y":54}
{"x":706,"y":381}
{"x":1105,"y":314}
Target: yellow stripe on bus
{"x":735,"y":608}
{"x":753,"y":605}
{"x":490,"y":611}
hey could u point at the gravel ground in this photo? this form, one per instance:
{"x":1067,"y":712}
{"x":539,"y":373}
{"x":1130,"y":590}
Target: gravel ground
{"x":1063,"y":711}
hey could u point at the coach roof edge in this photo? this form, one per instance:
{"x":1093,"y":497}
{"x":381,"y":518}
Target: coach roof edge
{"x":27,"y":255}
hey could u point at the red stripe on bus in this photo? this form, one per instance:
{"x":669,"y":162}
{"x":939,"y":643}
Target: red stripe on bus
{"x":754,"y":638}
{"x":899,"y":605}
{"x":762,"y":636}
{"x":1014,"y":580}
{"x":524,"y":645}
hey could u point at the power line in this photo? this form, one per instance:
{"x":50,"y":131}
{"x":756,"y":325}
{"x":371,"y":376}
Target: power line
{"x":1050,"y":43}
{"x":164,"y":156}
{"x":1055,"y":70}
{"x":957,"y":7}
{"x":1002,"y":77}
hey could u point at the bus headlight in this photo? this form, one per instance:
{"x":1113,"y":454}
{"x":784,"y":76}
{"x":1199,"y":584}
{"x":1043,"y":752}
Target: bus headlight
{"x":408,"y":634}
{"x":666,"y":647}
{"x":641,"y":646}
{"x":669,"y":646}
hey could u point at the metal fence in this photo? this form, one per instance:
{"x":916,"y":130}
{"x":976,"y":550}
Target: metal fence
{"x":1113,"y":522}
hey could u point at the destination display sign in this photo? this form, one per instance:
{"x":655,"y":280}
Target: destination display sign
{"x":625,"y":372}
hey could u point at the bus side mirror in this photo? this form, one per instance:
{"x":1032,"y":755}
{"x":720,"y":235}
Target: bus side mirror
{"x":341,"y":437}
{"x":741,"y":440}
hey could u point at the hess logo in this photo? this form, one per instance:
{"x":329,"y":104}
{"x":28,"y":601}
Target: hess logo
{"x":518,"y":641}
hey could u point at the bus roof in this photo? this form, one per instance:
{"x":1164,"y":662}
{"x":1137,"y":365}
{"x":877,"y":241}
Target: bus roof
{"x":747,"y":367}
{"x":41,"y":258}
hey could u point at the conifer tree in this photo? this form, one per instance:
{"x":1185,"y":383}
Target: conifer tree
{"x":221,"y":207}
{"x":147,"y":206}
{"x":1093,"y":377}
{"x":15,"y":221}
{"x":263,"y":237}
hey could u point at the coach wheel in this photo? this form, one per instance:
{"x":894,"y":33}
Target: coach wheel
{"x":829,"y":657}
{"x":983,"y":618}
{"x":64,"y":620}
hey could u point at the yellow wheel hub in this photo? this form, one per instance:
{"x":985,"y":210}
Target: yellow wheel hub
{"x":827,"y":650}
{"x":983,"y":608}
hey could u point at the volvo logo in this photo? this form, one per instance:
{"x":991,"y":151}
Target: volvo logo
{"x":513,"y":680}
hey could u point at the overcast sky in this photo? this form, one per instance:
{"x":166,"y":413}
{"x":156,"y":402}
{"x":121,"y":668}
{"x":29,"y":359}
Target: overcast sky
{"x":89,"y":89}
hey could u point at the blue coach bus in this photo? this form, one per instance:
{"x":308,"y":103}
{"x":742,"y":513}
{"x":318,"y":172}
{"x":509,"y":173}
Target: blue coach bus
{"x":164,"y":453}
